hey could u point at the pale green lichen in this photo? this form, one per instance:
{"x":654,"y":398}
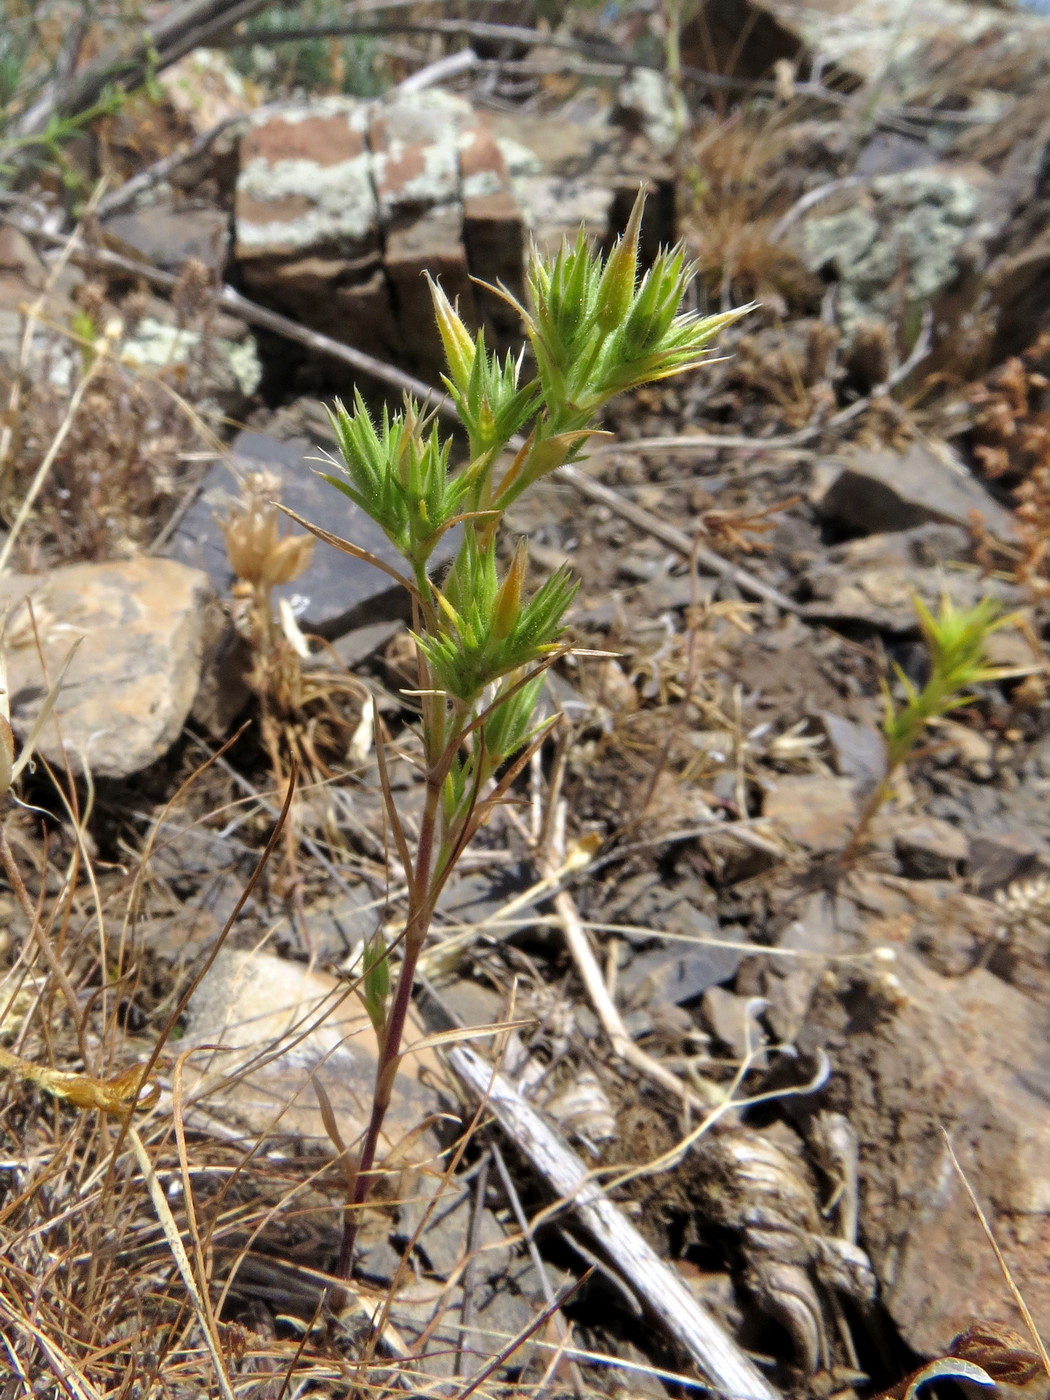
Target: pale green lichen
{"x":156,"y":345}
{"x":342,"y":195}
{"x":902,"y":239}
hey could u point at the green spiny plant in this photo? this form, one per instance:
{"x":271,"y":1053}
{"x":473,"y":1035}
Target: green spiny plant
{"x":597,"y":327}
{"x":957,"y":641}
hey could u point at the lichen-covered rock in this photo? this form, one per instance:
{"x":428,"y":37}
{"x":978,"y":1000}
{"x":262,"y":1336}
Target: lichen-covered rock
{"x":306,"y":183}
{"x":899,"y":43}
{"x":140,"y":627}
{"x":903,"y":241}
{"x":341,"y":206}
{"x":227,"y":370}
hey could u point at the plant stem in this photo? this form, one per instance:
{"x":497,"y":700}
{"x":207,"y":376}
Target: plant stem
{"x":868,"y":813}
{"x":421,"y":906}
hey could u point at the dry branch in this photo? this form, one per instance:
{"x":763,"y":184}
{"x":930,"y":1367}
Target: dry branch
{"x":666,"y":1295}
{"x":384,"y":373}
{"x":184,"y":28}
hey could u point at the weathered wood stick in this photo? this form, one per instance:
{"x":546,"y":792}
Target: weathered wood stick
{"x":664,"y":1293}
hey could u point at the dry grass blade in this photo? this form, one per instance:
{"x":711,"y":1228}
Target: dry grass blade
{"x":346,"y":547}
{"x":664,"y":1292}
{"x":1040,"y":1346}
{"x":567,"y":1293}
{"x":174,"y":1239}
{"x":48,"y":462}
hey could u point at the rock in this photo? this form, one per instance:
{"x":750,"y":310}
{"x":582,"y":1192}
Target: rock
{"x":363,"y":643}
{"x":999,"y":860}
{"x":909,"y":235}
{"x":875,"y":582}
{"x":964,"y":1055}
{"x":442,"y":1225}
{"x":340,"y":923}
{"x":815,"y":812}
{"x":928,"y":848}
{"x":279,"y":1026}
{"x":725,"y":1014}
{"x":1017,"y":287}
{"x":890,"y":152}
{"x":337,"y":592}
{"x":646,"y":102}
{"x":168,"y":234}
{"x":431,"y":243}
{"x":414,"y":141}
{"x":653,"y":978}
{"x":430,"y":1323}
{"x":130,"y":685}
{"x":897,"y":43}
{"x":872,"y":491}
{"x":226,"y":371}
{"x":205,"y":89}
{"x":788,"y":983}
{"x":961,"y":743}
{"x":22,"y":278}
{"x":508,"y":1292}
{"x":859,"y":749}
{"x":306,"y":231}
{"x":341,"y":204}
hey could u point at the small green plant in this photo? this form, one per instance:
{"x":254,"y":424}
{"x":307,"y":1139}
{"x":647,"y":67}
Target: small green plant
{"x":597,"y":327}
{"x":957,"y":640}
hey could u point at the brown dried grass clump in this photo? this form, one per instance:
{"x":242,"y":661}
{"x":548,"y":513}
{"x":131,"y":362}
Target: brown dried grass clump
{"x":102,"y":448}
{"x":736,"y":194}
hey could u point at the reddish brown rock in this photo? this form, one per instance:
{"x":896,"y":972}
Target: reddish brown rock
{"x":415,"y":143}
{"x":818,"y":813}
{"x":305,"y":183}
{"x":915,"y":1056}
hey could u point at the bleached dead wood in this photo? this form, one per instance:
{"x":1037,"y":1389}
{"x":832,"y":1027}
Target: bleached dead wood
{"x":662,"y":1290}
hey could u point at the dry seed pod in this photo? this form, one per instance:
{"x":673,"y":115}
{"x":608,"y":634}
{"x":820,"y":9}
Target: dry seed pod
{"x":257,"y":552}
{"x":1003,"y":1353}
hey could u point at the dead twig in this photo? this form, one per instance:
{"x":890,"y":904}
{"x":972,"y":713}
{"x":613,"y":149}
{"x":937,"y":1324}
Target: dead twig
{"x":182,"y":29}
{"x":160,"y":170}
{"x":666,"y":1295}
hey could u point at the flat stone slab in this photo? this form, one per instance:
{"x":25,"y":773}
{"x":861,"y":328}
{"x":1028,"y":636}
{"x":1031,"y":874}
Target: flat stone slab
{"x":141,"y":626}
{"x":873,"y":491}
{"x":337,"y":592}
{"x":912,"y":1060}
{"x":265,"y":1028}
{"x":819,"y":813}
{"x":168,"y":234}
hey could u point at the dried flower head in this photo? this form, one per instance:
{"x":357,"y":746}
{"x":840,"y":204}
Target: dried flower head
{"x":258,"y":553}
{"x":1024,"y":905}
{"x":191,"y":291}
